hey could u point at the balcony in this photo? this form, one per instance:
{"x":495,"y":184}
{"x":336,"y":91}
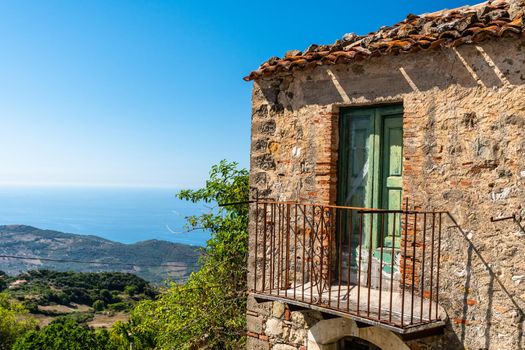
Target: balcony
{"x":379,"y":267}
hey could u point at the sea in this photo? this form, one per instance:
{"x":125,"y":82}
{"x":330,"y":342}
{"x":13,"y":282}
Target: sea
{"x":122,"y":214}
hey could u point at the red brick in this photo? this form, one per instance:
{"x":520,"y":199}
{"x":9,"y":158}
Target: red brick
{"x":465,"y":183}
{"x":252,"y":334}
{"x":460,"y":321}
{"x":287,"y":314}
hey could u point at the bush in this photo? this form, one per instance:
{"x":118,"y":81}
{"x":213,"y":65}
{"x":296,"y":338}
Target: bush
{"x":3,"y":281}
{"x":98,"y":305}
{"x":65,"y":336}
{"x":131,"y":290}
{"x":120,"y":306}
{"x":77,"y":317}
{"x":14,"y":322}
{"x":106,"y":295}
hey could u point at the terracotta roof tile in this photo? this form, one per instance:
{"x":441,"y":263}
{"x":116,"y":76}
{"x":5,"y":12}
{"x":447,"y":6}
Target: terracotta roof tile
{"x":447,"y":28}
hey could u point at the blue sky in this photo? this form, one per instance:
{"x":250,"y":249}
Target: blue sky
{"x":149,"y":93}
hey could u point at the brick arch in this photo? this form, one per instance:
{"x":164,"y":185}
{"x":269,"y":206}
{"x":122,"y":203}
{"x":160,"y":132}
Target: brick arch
{"x":326,"y":333}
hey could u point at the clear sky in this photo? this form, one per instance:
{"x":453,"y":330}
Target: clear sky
{"x":149,"y":93}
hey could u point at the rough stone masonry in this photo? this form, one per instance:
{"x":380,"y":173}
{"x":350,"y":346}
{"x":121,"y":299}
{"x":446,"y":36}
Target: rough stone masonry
{"x":463,"y":152}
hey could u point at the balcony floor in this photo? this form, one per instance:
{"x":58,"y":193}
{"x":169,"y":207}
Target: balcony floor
{"x":394,"y":313}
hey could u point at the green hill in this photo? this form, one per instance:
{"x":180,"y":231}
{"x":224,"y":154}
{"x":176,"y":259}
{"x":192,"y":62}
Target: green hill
{"x":142,"y":258}
{"x":95,"y":298}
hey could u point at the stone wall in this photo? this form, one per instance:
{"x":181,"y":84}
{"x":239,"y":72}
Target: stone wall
{"x":464,"y":152}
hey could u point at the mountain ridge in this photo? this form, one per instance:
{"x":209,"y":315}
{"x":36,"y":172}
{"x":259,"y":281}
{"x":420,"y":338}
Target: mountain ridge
{"x":147,"y":259}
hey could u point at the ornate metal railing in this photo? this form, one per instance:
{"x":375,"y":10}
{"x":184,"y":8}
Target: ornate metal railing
{"x":377,"y":266}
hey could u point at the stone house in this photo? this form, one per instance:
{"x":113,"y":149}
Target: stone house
{"x":388,"y":173}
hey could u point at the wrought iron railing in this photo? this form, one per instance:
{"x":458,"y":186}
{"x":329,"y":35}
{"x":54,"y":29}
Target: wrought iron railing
{"x":378,"y":266}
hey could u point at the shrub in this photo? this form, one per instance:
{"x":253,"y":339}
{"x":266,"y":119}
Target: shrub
{"x":98,"y":305}
{"x":14,"y":322}
{"x":65,"y":336}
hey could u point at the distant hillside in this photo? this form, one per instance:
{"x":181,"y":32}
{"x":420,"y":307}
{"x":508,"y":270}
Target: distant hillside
{"x":98,"y":299}
{"x":21,"y":240}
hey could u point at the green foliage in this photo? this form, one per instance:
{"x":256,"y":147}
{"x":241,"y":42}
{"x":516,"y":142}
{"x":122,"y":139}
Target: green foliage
{"x":14,"y":321}
{"x":208,"y":311}
{"x":131,"y":290}
{"x":123,"y":334}
{"x":65,"y":336}
{"x":119,"y":306}
{"x":98,"y":305}
{"x":3,"y":280}
{"x":106,"y":295}
{"x":104,"y":291}
{"x":44,"y":287}
{"x":76,"y":317}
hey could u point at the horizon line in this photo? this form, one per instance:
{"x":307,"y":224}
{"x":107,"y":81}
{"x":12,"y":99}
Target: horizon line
{"x":93,"y":185}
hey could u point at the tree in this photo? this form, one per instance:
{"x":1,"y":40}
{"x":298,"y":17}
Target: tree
{"x":65,"y":336}
{"x":98,"y":305}
{"x":208,"y":311}
{"x":132,"y":335}
{"x":106,"y":296}
{"x":14,"y":321}
{"x":131,"y":290}
{"x":3,"y":280}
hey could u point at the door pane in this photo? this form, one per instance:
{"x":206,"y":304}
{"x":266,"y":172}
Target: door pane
{"x":392,"y":181}
{"x":354,"y":181}
{"x":355,"y":187}
{"x":359,"y":150}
